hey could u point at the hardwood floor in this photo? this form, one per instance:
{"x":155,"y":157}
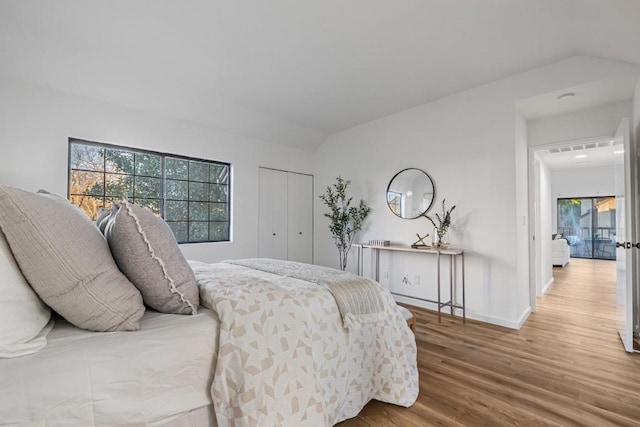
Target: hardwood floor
{"x":565,"y":367}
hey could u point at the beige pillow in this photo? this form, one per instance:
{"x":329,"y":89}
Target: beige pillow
{"x":146,"y":251}
{"x":67,"y":262}
{"x":24,"y":319}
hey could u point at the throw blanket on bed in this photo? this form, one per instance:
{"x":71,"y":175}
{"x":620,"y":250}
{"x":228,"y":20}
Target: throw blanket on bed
{"x":359,"y":299}
{"x":286,"y":359}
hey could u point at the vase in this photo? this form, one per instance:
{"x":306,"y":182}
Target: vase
{"x":439,"y":241}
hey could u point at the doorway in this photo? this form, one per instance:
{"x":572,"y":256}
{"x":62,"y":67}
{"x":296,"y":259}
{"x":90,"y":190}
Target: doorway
{"x":573,"y":184}
{"x":593,"y":223}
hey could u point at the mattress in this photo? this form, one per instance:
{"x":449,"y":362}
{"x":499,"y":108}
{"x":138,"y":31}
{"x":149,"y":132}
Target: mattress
{"x":148,"y":377}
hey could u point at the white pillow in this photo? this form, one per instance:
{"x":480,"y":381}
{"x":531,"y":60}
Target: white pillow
{"x":25,"y":321}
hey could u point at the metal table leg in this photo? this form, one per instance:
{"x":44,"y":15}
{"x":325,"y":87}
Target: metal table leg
{"x":464,"y":305}
{"x":451,"y":260}
{"x":438,"y":274}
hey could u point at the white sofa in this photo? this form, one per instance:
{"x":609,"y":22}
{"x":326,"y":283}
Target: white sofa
{"x":559,"y":252}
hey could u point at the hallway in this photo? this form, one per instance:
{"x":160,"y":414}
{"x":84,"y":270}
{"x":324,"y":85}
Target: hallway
{"x":583,"y":295}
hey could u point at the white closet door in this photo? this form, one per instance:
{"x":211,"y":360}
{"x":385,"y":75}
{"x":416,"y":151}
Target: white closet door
{"x":272,"y":233}
{"x":300,"y":206}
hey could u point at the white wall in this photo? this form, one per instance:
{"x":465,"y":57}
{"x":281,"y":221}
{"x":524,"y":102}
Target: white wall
{"x":583,"y":182}
{"x":466,"y":143}
{"x":537,"y":241}
{"x":522,"y":216}
{"x":593,"y":122}
{"x":546,"y":209}
{"x":36,"y":123}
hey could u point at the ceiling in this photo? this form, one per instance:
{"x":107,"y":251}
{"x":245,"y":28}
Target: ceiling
{"x":589,"y":154}
{"x":618,"y":87}
{"x":312,"y":67}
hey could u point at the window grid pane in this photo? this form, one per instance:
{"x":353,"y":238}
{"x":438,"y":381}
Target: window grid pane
{"x":191,"y":194}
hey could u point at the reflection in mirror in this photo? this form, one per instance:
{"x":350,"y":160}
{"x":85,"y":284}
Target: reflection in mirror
{"x":410,"y":193}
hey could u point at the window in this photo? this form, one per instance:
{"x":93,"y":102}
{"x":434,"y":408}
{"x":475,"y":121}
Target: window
{"x":192,"y":195}
{"x":589,"y":225}
{"x":394,"y":200}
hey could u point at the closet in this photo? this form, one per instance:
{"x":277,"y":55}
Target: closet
{"x":285,"y":215}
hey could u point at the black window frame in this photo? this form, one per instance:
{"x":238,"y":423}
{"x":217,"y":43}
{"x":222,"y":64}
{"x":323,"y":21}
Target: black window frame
{"x":162,"y":195}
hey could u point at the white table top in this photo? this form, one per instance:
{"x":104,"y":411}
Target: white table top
{"x":403,"y":248}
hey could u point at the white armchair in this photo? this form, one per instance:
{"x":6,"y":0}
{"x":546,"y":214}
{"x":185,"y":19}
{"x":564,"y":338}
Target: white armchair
{"x":560,"y":252}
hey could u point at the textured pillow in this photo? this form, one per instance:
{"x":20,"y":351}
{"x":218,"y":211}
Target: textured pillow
{"x":146,"y":251}
{"x":103,"y":219}
{"x":25,"y":321}
{"x":67,"y":262}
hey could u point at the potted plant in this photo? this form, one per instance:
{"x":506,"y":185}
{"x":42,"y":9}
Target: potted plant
{"x":442,"y":226}
{"x":346,"y":220}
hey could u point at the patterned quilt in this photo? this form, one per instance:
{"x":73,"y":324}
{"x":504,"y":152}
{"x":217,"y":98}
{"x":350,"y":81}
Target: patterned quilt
{"x":285,"y":357}
{"x":359,"y":299}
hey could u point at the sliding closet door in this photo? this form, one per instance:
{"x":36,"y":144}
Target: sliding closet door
{"x":272,"y":233}
{"x":300,"y":214}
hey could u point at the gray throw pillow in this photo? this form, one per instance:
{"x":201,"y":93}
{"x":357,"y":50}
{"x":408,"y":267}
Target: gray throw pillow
{"x":147,"y":252}
{"x":103,"y":219}
{"x":67,"y":261}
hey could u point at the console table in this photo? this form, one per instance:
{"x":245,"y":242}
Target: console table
{"x":452,"y":253}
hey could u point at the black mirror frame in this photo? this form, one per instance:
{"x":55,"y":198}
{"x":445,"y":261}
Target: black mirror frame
{"x":433,"y":199}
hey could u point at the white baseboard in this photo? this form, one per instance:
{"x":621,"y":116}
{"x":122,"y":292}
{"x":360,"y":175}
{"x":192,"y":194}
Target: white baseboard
{"x":500,"y":321}
{"x":507,"y":323}
{"x":546,"y":287}
{"x":524,"y":316}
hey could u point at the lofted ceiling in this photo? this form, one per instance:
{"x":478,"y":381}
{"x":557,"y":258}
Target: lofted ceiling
{"x":294,"y":71}
{"x":618,"y":87}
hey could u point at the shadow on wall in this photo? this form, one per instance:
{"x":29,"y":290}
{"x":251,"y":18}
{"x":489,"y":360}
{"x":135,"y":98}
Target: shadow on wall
{"x":459,"y":228}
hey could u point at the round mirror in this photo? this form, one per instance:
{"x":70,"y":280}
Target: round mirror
{"x":410,"y":193}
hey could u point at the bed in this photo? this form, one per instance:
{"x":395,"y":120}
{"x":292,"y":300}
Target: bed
{"x":272,"y":345}
{"x":81,"y":378}
{"x":143,"y":337}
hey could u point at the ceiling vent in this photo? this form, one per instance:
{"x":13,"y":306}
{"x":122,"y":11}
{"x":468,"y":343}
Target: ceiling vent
{"x":579,"y":147}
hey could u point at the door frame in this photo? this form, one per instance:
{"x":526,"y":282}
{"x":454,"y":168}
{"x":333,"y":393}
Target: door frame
{"x":534,"y":204}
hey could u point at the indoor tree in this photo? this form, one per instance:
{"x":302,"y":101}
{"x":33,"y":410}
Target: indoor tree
{"x":346,"y":220}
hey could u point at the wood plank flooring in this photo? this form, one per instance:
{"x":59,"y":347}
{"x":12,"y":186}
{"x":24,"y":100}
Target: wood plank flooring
{"x":565,"y":367}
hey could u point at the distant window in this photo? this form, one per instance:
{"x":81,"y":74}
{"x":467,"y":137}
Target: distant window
{"x":192,"y":195}
{"x":394,"y":200}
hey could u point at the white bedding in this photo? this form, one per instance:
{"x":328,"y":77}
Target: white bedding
{"x":84,"y":378}
{"x":285,"y":358}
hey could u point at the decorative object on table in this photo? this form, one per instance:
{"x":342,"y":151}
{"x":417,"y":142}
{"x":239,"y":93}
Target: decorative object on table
{"x":442,"y":226}
{"x":346,"y":220}
{"x":420,"y":243}
{"x":379,"y":242}
{"x":410,"y":193}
